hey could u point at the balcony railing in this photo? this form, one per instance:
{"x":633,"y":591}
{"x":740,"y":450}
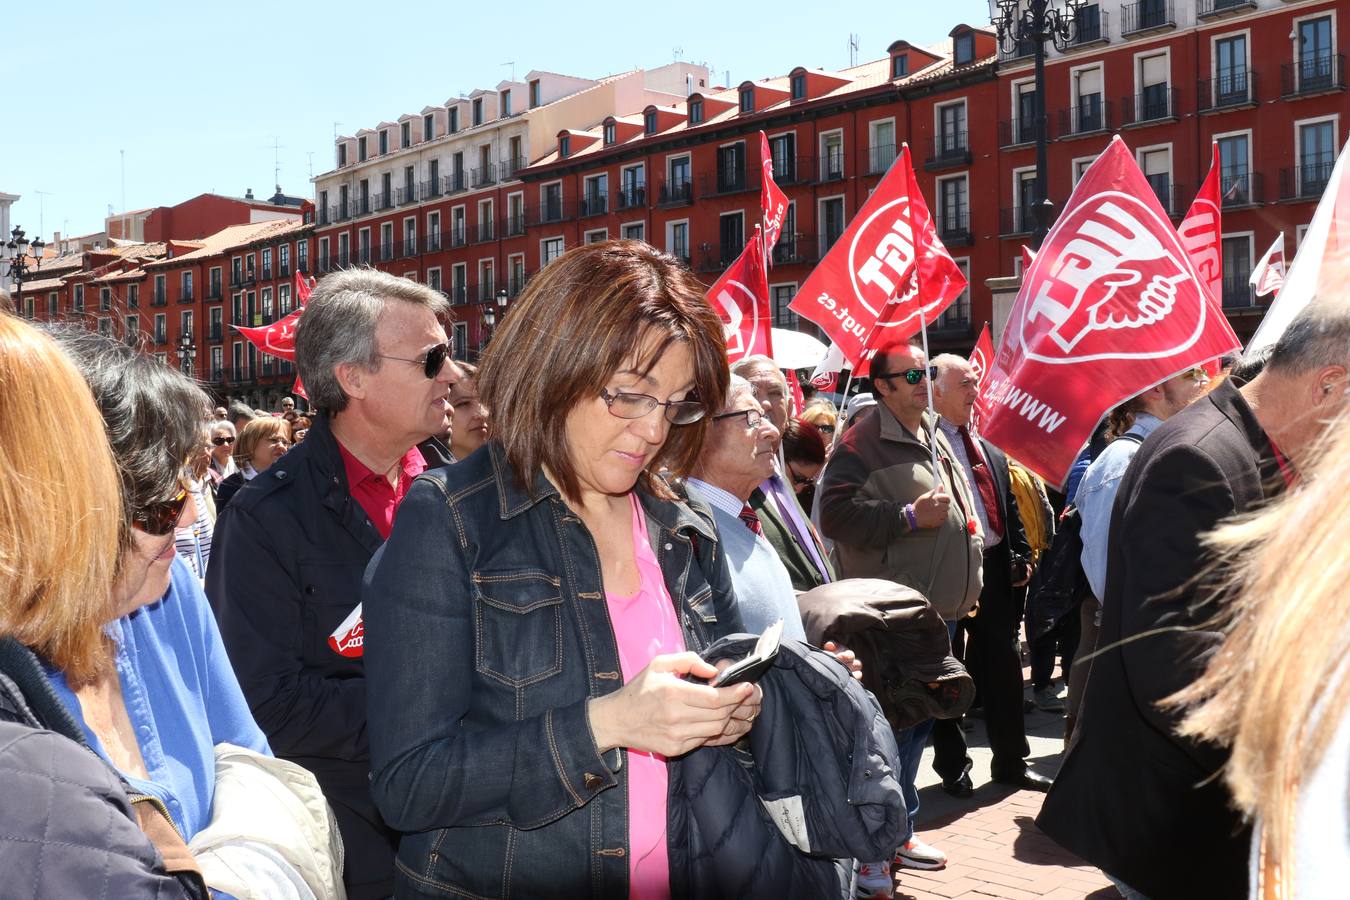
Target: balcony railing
{"x":550,"y":211}
{"x":384,"y":201}
{"x":484,"y":176}
{"x":1238,"y":187}
{"x":215,"y":291}
{"x":1010,"y":50}
{"x":215,"y":332}
{"x":594,"y":203}
{"x":1313,"y":75}
{"x":676,"y":192}
{"x":832,"y":166}
{"x":953,"y":228}
{"x":184,"y":296}
{"x":407,"y":195}
{"x":1171,"y":195}
{"x":950,"y":148}
{"x":794,"y":248}
{"x":1237,"y":292}
{"x":1017,"y":132}
{"x":631,"y":197}
{"x":512,"y":165}
{"x":1207,"y":9}
{"x":1308,"y":181}
{"x":433,"y":243}
{"x":486,"y":231}
{"x":1146,"y":16}
{"x":386,"y":251}
{"x":875,"y":160}
{"x":159,"y":299}
{"x":793,"y":170}
{"x":363,"y":256}
{"x":725,"y":181}
{"x":1088,"y":116}
{"x":1150,"y":106}
{"x":267,"y":273}
{"x":514,"y":224}
{"x":1089,"y":27}
{"x":516,"y":283}
{"x":407,"y":247}
{"x":453,"y":183}
{"x":458,"y":237}
{"x":1229,"y":90}
{"x":458,"y":294}
{"x":363,"y":207}
{"x":430,"y":188}
{"x":717,"y":259}
{"x":1015,"y":221}
{"x":324,"y":266}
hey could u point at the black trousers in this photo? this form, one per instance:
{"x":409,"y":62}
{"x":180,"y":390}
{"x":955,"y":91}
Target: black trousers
{"x":992,"y":658}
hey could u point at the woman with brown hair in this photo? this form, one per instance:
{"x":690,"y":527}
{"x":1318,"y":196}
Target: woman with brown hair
{"x":262,"y":442}
{"x":67,"y":816}
{"x":536,"y":610}
{"x":468,"y":415}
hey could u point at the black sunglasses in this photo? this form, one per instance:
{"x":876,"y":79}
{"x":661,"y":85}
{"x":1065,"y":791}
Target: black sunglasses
{"x":159,"y":519}
{"x":911,"y":376}
{"x":431,"y":363}
{"x":222,"y":441}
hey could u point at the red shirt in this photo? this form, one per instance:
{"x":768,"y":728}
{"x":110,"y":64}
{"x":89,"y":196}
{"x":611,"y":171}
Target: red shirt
{"x":372,"y":490}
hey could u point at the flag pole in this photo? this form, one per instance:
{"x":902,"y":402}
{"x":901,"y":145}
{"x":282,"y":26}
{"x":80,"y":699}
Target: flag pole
{"x":932,"y":437}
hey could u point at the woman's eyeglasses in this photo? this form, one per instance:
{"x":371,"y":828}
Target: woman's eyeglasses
{"x":159,"y":519}
{"x":222,"y":441}
{"x":431,"y":363}
{"x":799,"y":479}
{"x":825,"y":428}
{"x":911,"y":376}
{"x":626,"y":405}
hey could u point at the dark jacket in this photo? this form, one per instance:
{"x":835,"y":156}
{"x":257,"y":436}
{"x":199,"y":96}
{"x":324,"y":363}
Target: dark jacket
{"x":1132,"y":797}
{"x":228,"y":487}
{"x":800,"y":566}
{"x":901,"y":642}
{"x":67,"y":827}
{"x":486,"y":634}
{"x":818,"y":784}
{"x":287,"y":559}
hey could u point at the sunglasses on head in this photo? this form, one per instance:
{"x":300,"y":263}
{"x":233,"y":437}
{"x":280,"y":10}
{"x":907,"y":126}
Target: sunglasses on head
{"x":431,"y":363}
{"x":222,"y":441}
{"x":158,"y":519}
{"x":911,"y":376}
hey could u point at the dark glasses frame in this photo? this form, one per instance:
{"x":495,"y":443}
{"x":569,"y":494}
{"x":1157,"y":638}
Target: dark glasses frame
{"x":753,"y":417}
{"x":158,"y":519}
{"x":431,"y":362}
{"x":222,"y":441}
{"x":911,"y":376}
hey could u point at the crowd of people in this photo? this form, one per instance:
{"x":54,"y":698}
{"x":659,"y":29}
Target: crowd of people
{"x":462,"y":631}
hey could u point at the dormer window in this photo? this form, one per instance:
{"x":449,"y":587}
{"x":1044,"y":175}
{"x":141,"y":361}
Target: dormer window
{"x":799,"y":86}
{"x":428,"y":126}
{"x":695,"y":112}
{"x":478,"y":110}
{"x":384,"y":142}
{"x":900,"y":65}
{"x":342,"y":155}
{"x":964,"y":49}
{"x":361,"y":149}
{"x":505,"y":103}
{"x":747,"y":100}
{"x":609,"y":133}
{"x":649,"y":122}
{"x":534,"y":93}
{"x":564,"y":145}
{"x":454,"y":119}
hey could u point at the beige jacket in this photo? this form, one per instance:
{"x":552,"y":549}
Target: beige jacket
{"x":878,"y":467}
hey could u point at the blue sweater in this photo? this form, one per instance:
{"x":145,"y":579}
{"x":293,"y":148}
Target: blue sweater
{"x":181,"y":696}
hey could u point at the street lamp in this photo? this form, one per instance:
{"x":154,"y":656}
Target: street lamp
{"x":489,"y":323}
{"x":1034,"y":22}
{"x":187,"y":353}
{"x":18,"y":269}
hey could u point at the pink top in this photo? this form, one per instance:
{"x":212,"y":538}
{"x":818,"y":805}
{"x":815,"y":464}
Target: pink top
{"x":645,"y":626}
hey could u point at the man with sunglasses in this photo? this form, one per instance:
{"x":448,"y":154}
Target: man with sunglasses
{"x":291,"y":548}
{"x":892,"y":516}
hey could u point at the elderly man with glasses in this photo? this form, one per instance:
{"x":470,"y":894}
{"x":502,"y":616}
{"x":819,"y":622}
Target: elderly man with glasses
{"x":291,"y":548}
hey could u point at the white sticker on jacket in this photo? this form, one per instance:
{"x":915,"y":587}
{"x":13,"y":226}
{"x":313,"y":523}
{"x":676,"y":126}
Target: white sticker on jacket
{"x":787,"y":815}
{"x":350,"y":637}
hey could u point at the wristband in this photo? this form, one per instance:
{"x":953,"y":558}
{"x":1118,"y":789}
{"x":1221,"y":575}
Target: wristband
{"x":910,"y":518}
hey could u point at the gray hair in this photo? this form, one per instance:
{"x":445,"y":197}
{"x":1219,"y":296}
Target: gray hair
{"x":737,"y":385}
{"x":339,"y":324}
{"x":1318,"y":336}
{"x":218,"y":424}
{"x":152,"y":413}
{"x":945,"y":361}
{"x":240,"y":410}
{"x":748,"y":364}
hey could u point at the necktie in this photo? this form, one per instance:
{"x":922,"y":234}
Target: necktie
{"x":751,"y":519}
{"x":984,"y":483}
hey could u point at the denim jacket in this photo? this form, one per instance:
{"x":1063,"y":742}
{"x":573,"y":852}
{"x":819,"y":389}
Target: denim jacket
{"x":487,"y":632}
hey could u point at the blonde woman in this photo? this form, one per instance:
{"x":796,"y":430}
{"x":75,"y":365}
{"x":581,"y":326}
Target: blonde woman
{"x":1277,"y":690}
{"x":262,"y":442}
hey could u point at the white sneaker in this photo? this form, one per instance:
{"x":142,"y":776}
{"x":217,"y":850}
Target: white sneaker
{"x":874,"y":882}
{"x":918,"y":855}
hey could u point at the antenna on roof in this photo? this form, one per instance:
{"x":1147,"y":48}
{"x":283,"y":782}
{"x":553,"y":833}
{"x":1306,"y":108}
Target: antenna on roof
{"x":676,"y":54}
{"x":512,"y":64}
{"x":41,"y":195}
{"x":310,"y":154}
{"x":852,"y":50}
{"x":276,"y":161}
{"x":335,"y":125}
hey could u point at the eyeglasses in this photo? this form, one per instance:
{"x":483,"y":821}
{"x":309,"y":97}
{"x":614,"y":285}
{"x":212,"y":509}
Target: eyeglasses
{"x":158,"y":519}
{"x":1197,"y":374}
{"x":911,"y":376}
{"x":799,"y":479}
{"x":752,"y":417}
{"x":626,"y":405}
{"x":825,"y":429}
{"x":431,"y":363}
{"x":222,"y":441}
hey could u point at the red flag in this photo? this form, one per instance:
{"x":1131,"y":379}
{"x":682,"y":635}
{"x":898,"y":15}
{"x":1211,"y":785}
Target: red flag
{"x":773,"y":203}
{"x":1202,"y":233}
{"x":1268,"y":276}
{"x":868,"y":289}
{"x":303,"y":287}
{"x":1027,"y":256}
{"x":299,"y":389}
{"x":796,"y":399}
{"x":741,"y":295}
{"x":981,"y":359}
{"x":1111,"y":306}
{"x":277,"y":339}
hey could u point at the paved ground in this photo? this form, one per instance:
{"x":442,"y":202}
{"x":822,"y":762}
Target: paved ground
{"x":993,"y":847}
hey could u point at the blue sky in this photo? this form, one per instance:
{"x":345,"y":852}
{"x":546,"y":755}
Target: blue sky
{"x":196,"y":94}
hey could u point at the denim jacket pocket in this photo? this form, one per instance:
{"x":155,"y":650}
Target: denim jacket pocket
{"x":517,"y":626}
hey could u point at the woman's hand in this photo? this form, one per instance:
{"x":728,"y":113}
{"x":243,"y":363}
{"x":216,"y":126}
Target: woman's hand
{"x":845,"y":656}
{"x":659,"y":712}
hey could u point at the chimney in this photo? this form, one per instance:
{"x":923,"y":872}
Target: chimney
{"x":248,"y":194}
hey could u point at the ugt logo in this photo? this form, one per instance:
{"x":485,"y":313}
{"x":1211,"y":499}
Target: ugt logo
{"x":734,"y":298}
{"x":1118,"y":270}
{"x":881,"y":257}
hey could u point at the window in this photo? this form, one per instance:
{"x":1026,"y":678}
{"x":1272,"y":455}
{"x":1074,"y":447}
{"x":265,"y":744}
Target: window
{"x":79,"y":297}
{"x":550,"y":196}
{"x":434,"y":278}
{"x":1080,"y":167}
{"x":283,"y":299}
{"x":964,"y":48}
{"x":131,"y":326}
{"x":409,"y":182}
{"x":433,"y":232}
{"x":1316,"y":67}
{"x":609,"y":133}
{"x":515,"y":214}
{"x":363,"y":246}
{"x":552,"y":248}
{"x":52,"y":304}
{"x":780,"y":295}
{"x":1024,"y":113}
{"x":677,"y":239}
{"x":133,"y":295}
{"x":239,"y":361}
{"x":105,"y":299}
{"x":1235,"y":169}
{"x":831,"y":222}
{"x":731,"y":167}
{"x":386,"y":241}
{"x":534,"y":93}
{"x":649,"y":122}
{"x":344,"y":209}
{"x":783,"y":149}
{"x":633,"y":232}
{"x":386,"y":190}
{"x":344,"y":250}
{"x":516,"y":157}
{"x":457,"y":171}
{"x":384,"y":142}
{"x":881,"y":153}
{"x":161,"y":328}
{"x":596,"y":236}
{"x":284,"y":260}
{"x":900,"y":65}
{"x":731,"y":236}
{"x":161,"y":290}
{"x":832,"y":156}
{"x":678,"y":182}
{"x":1237,"y":269}
{"x":486,"y":221}
{"x":1154,"y":100}
{"x":565,"y":145}
{"x":342,"y":155}
{"x":409,"y":237}
{"x":460,"y":339}
{"x":458,"y":219}
{"x":595,"y":196}
{"x":364,"y":194}
{"x":302,"y":255}
{"x":1087,"y":24}
{"x":405,"y":134}
{"x":459,"y":283}
{"x":1230,"y":70}
{"x":1316,"y":157}
{"x":1156,"y":164}
{"x":217,"y":364}
{"x":634,"y":190}
{"x":361,"y":149}
{"x":185,"y":286}
{"x":267,"y":262}
{"x":1087,"y":112}
{"x":799,"y":87}
{"x":695,"y":112}
{"x":486,"y":281}
{"x":185,"y":322}
{"x":747,"y":100}
{"x":1024,"y":200}
{"x":952,"y":210}
{"x":957,"y":316}
{"x":504,"y":103}
{"x":216,"y":323}
{"x":105,"y":326}
{"x":454,"y":119}
{"x":478,"y":110}
{"x":428,"y":126}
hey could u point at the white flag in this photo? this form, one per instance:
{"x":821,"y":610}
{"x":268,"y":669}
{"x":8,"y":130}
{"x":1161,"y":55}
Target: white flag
{"x":1268,"y":275}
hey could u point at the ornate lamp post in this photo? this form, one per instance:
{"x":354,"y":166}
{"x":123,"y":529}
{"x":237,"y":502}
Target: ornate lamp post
{"x":187,"y":353}
{"x":18,"y":268}
{"x":489,"y":323}
{"x":1035,"y":22}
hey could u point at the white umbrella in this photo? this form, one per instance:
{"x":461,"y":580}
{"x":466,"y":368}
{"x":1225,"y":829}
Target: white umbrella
{"x":795,"y":350}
